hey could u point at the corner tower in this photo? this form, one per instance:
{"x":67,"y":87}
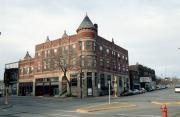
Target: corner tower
{"x":87,"y":36}
{"x":87,"y":28}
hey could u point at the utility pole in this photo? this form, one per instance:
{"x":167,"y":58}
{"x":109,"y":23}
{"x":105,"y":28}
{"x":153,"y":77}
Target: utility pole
{"x":109,"y":92}
{"x":81,"y":70}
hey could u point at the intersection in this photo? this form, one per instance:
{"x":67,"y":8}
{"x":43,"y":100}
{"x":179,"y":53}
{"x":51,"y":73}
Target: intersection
{"x":147,"y":105}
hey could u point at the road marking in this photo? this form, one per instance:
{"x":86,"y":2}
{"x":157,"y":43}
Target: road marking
{"x":126,"y":115}
{"x":69,"y":116}
{"x":71,"y":111}
{"x":167,"y":103}
{"x":59,"y":115}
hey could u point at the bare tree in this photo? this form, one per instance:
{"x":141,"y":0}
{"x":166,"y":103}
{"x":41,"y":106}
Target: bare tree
{"x":66,"y":59}
{"x":64,"y":67}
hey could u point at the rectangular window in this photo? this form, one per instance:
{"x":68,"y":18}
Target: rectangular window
{"x":101,"y":62}
{"x":89,"y":45}
{"x":82,"y":45}
{"x":82,"y":61}
{"x":96,"y":79}
{"x":89,"y":79}
{"x":107,"y":50}
{"x":100,"y":48}
{"x":55,"y":50}
{"x":102,"y":80}
{"x":73,"y":78}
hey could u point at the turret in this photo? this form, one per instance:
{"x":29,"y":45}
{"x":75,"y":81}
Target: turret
{"x":87,"y":29}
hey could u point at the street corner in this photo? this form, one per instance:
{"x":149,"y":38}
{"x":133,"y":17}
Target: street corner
{"x":4,"y":106}
{"x":169,"y":103}
{"x":101,"y":107}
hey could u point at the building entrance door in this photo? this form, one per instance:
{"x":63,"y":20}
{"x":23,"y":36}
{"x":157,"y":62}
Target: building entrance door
{"x":89,"y":86}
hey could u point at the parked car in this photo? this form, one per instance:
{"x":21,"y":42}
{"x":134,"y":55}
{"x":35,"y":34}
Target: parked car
{"x":136,"y":91}
{"x":127,"y":93}
{"x":142,"y":90}
{"x":177,"y":89}
{"x":0,"y":93}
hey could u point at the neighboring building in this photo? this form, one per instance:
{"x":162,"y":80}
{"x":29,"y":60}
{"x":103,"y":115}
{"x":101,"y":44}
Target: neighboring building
{"x":98,"y":59}
{"x":13,"y":72}
{"x":1,"y":88}
{"x":141,"y":77}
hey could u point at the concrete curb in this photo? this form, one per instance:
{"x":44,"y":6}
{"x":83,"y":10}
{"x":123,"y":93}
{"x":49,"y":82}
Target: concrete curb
{"x":167,"y":103}
{"x":104,"y":107}
{"x":5,"y":106}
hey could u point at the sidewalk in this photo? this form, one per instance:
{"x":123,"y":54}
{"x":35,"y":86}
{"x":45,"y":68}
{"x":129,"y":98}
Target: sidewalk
{"x":4,"y":106}
{"x":115,"y":105}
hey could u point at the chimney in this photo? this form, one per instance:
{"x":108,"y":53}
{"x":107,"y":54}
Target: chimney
{"x":96,"y":26}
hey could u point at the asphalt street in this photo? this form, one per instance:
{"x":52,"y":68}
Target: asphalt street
{"x":148,"y":105}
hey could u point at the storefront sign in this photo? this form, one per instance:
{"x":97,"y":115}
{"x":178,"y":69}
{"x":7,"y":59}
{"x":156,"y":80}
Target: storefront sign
{"x":145,"y":79}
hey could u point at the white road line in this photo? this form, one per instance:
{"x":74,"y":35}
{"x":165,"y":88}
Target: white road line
{"x":69,"y":116}
{"x":70,"y":111}
{"x":59,"y":115}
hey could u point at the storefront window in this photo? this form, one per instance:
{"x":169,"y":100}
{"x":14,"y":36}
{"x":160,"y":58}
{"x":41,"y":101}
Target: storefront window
{"x":89,"y":79}
{"x":73,"y":78}
{"x":96,"y":79}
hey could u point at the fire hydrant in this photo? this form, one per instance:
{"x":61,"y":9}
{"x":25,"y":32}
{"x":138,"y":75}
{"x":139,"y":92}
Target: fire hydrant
{"x":164,"y":110}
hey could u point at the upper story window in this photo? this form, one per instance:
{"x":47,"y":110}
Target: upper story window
{"x":31,"y":70}
{"x":100,"y":48}
{"x":38,"y":54}
{"x":126,"y":58}
{"x":94,"y":46}
{"x":55,"y":50}
{"x":47,"y":53}
{"x":119,"y":66}
{"x":107,"y":50}
{"x":107,"y":61}
{"x":74,"y":46}
{"x":123,"y":57}
{"x":82,"y":61}
{"x":82,"y":45}
{"x":101,"y":62}
{"x":38,"y":67}
{"x":88,"y":45}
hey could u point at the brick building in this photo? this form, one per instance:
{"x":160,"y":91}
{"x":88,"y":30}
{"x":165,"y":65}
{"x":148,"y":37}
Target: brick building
{"x":95,"y":58}
{"x":141,"y":77}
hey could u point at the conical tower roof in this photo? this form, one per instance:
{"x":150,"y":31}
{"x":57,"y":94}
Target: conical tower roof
{"x":86,"y":23}
{"x":27,"y":56}
{"x":65,"y":34}
{"x":47,"y":39}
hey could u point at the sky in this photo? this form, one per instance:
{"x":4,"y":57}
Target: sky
{"x":148,"y":29}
